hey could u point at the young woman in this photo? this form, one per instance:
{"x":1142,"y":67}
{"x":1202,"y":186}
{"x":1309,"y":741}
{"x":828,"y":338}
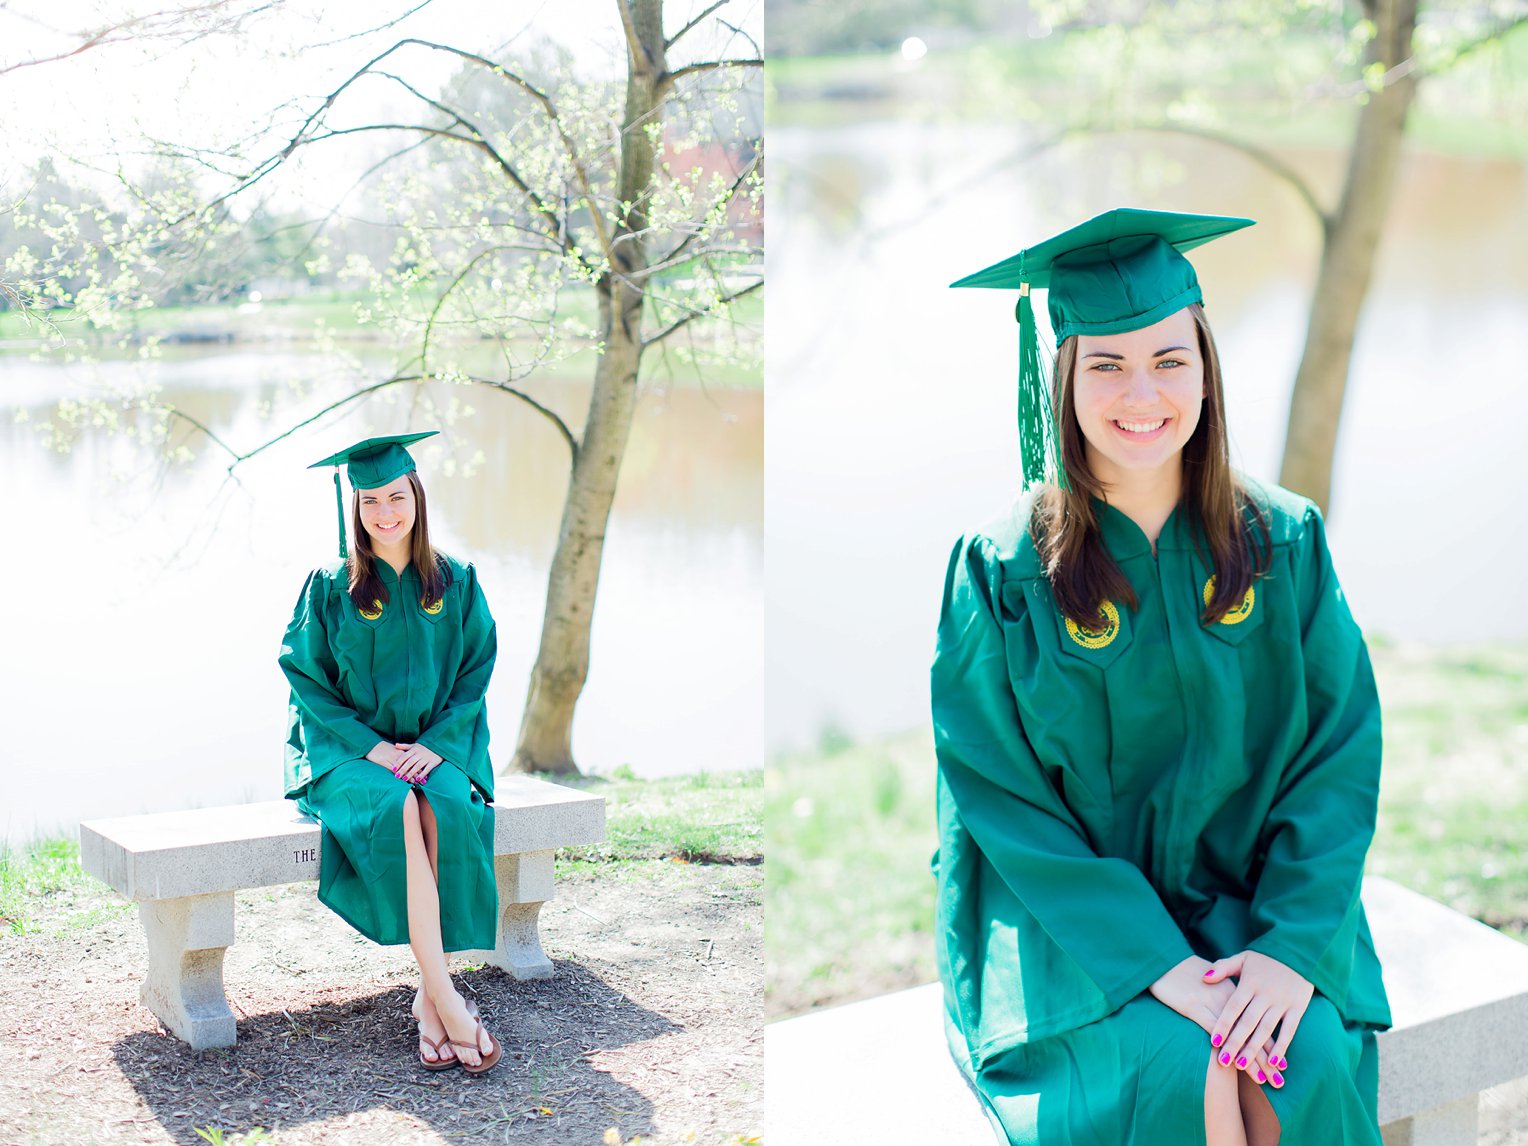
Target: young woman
{"x":388,"y":655}
{"x":1159,"y":744}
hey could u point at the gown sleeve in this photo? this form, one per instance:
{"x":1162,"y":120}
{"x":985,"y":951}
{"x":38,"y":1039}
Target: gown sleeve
{"x":1305,"y":910}
{"x":324,"y":730}
{"x":1115,"y":937}
{"x":459,"y":731}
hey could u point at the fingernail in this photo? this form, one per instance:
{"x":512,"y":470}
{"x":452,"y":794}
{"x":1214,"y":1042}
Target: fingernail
{"x":1216,"y":1040}
{"x":1210,"y":972}
{"x":1241,"y":1062}
{"x":1261,"y":1077}
{"x":1278,"y":1079}
{"x":1225,"y":1059}
{"x":1282,"y":1064}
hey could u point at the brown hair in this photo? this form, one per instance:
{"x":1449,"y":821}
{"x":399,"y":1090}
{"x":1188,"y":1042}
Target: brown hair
{"x":1082,"y":575}
{"x":434,"y":573}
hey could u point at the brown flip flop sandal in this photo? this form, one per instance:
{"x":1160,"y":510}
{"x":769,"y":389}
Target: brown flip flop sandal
{"x":441,"y":1062}
{"x":489,"y":1061}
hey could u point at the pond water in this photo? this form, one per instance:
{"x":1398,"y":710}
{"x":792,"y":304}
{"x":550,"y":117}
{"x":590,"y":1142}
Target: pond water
{"x":149,"y":601}
{"x":891,"y":398}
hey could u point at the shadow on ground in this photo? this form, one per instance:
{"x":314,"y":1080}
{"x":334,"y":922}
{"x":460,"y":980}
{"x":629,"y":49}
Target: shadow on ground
{"x":351,"y":1065}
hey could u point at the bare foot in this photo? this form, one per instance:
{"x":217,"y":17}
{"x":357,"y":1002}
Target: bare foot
{"x":432,"y":1028}
{"x":463,"y":1029}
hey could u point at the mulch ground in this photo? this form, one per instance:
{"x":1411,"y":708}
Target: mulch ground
{"x":652,"y":1027}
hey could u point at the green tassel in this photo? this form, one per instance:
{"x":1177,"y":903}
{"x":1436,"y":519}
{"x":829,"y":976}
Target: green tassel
{"x":339,"y":505}
{"x":1039,"y":445}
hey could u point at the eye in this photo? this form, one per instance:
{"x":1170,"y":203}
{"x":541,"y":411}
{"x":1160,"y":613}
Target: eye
{"x":1171,"y":363}
{"x":1106,"y":366}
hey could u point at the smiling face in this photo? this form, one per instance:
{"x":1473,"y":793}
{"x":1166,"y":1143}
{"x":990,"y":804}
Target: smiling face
{"x":1137,"y":398}
{"x":387,"y":513}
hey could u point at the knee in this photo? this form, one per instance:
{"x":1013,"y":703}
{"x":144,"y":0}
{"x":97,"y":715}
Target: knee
{"x":1320,"y":1046}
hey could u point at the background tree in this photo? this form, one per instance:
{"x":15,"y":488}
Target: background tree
{"x":528,"y":194}
{"x":1227,"y":72}
{"x":1370,"y":59}
{"x":534,"y":215}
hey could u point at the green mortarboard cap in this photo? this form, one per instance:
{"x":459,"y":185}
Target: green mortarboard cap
{"x":370,"y":464}
{"x":1118,"y":272}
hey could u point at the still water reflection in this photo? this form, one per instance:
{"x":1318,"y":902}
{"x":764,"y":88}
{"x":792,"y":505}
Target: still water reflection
{"x":149,"y":602}
{"x":891,"y":418}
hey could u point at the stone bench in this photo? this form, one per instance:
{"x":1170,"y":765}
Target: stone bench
{"x":878,"y":1071}
{"x":183,"y":868}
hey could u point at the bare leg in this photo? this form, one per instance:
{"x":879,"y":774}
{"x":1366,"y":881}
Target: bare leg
{"x":428,"y":829}
{"x":424,"y":934}
{"x":1257,"y":1113}
{"x":424,"y":1008}
{"x":1222,"y":1111}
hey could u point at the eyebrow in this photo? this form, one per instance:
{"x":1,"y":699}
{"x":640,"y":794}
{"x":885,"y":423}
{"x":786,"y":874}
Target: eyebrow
{"x":1121,"y":357}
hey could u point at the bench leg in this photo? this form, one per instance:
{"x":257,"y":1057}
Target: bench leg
{"x":525,"y":883}
{"x":1455,"y":1124}
{"x":184,"y":986}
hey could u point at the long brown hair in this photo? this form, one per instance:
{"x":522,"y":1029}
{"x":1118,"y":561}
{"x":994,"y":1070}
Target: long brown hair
{"x":434,"y":572}
{"x":1066,"y":532}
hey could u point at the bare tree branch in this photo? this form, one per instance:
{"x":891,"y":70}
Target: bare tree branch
{"x":708,"y":66}
{"x":393,"y":23}
{"x":167,"y":24}
{"x":679,"y":35}
{"x":680,"y":323}
{"x":736,"y":31}
{"x":353,"y":396}
{"x":177,"y":412}
{"x":365,"y":391}
{"x":1266,"y":159}
{"x":550,"y":415}
{"x":549,"y":108}
{"x":480,"y":138}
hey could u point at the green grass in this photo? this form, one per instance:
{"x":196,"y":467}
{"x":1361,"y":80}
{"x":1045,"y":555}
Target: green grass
{"x":1453,"y":820}
{"x":850,"y":901}
{"x":42,"y":874}
{"x":708,"y":817}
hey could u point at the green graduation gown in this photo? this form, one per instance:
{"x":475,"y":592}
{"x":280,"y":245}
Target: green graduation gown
{"x":1110,"y":803}
{"x":397,"y":673}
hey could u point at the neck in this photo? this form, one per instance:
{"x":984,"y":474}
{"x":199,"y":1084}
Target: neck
{"x":1146,"y":497}
{"x":395,"y":555}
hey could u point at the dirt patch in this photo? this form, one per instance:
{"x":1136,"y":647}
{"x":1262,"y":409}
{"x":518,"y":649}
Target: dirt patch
{"x":652,"y":1026}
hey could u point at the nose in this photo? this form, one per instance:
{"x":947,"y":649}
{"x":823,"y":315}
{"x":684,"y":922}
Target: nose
{"x":1140,"y":388}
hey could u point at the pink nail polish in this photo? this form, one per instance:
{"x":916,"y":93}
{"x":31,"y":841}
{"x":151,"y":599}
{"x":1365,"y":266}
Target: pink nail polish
{"x":1278,"y":1079}
{"x":1282,"y":1064}
{"x":1217,"y":1040}
{"x":1261,"y":1077}
{"x":1210,"y":972}
{"x":1225,"y":1059}
{"x":1241,"y":1062}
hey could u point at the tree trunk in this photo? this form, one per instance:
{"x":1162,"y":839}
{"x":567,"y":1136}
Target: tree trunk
{"x":1347,"y":259}
{"x":562,"y":663}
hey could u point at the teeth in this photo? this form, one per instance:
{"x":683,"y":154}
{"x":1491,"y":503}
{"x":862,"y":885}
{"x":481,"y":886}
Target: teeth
{"x":1141,"y":427}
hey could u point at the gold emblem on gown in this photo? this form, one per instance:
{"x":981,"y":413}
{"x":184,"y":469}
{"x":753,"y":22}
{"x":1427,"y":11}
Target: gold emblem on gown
{"x":1237,"y":615}
{"x":1096,"y":638}
{"x":432,"y":609}
{"x":372,"y":613}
